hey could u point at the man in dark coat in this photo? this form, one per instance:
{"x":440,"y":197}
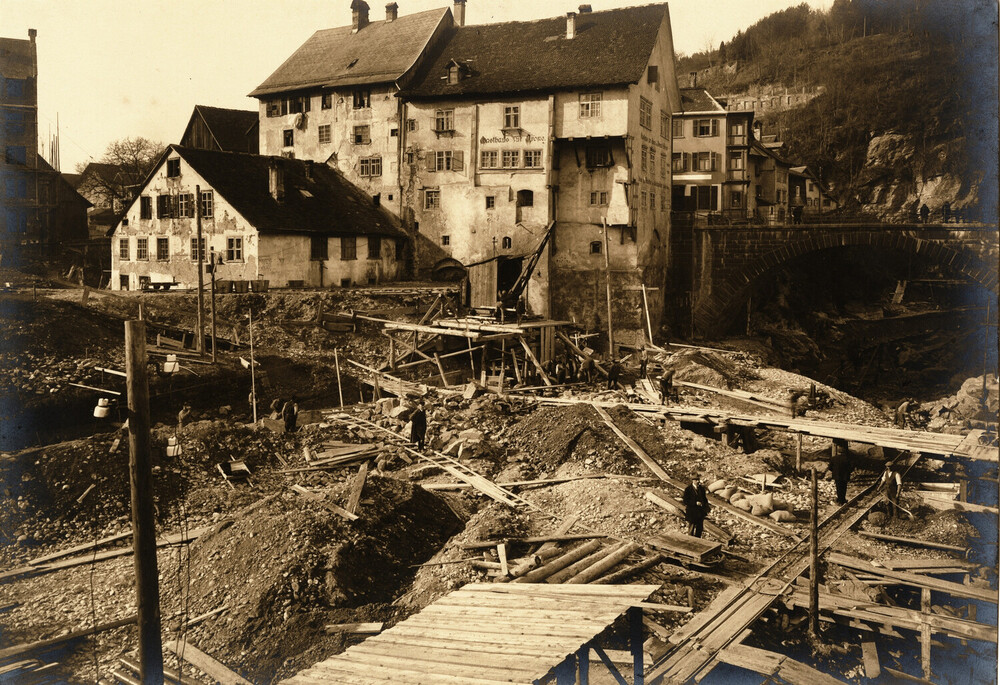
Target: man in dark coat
{"x":418,"y":426}
{"x":695,"y":506}
{"x":614,"y":373}
{"x":289,"y":413}
{"x":840,"y":468}
{"x":667,"y":386}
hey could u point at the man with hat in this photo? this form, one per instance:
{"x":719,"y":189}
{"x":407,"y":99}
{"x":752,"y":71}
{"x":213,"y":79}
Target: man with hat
{"x":695,"y":506}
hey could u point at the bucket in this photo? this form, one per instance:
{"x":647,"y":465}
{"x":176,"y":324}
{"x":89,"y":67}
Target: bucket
{"x":173,"y":449}
{"x":102,"y":408}
{"x":171,"y":365}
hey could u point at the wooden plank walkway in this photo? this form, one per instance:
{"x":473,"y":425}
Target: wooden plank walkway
{"x":482,"y":633}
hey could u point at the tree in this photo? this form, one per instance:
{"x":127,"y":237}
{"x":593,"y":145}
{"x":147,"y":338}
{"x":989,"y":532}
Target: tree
{"x":115,"y":179}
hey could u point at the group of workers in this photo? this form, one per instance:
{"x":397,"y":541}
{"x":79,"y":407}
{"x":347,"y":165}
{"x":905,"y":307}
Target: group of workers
{"x":287,"y":412}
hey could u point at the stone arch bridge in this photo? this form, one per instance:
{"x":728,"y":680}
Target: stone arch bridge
{"x":727,"y":262}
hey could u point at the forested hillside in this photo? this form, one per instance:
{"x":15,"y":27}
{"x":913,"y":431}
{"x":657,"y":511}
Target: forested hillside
{"x":908,"y":107}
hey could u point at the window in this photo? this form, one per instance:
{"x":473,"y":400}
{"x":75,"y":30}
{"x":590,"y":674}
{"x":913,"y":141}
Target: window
{"x":318,"y":248}
{"x":173,"y":168}
{"x":598,"y":156}
{"x":532,"y":159}
{"x":145,"y":207}
{"x":663,"y":165}
{"x":374,"y":247}
{"x":679,"y":162}
{"x":299,"y":104}
{"x":512,"y":116}
{"x":362,"y":135}
{"x":410,"y":158}
{"x":444,"y":120}
{"x":16,"y":154}
{"x":432,"y":199}
{"x":197,"y":254}
{"x":706,"y":127}
{"x":736,"y":128}
{"x":653,"y":76}
{"x":706,"y":197}
{"x":598,"y":197}
{"x":14,"y":87}
{"x":185,"y":205}
{"x":652,"y":199}
{"x":274,"y":108}
{"x":394,"y":133}
{"x":123,"y":247}
{"x":595,"y":247}
{"x":678,"y":128}
{"x":446,"y":240}
{"x":370,"y":166}
{"x":123,"y":281}
{"x":642,"y":157}
{"x":491,"y":201}
{"x":664,"y":124}
{"x":162,"y":249}
{"x":590,"y":105}
{"x":706,"y":161}
{"x":288,"y":137}
{"x":324,"y":133}
{"x":411,"y":124}
{"x":525,"y":198}
{"x":165,"y":207}
{"x":207,"y":204}
{"x":736,"y":160}
{"x":511,"y":159}
{"x":489,"y":159}
{"x":642,"y":200}
{"x":442,"y":160}
{"x":645,"y":113}
{"x":506,"y":243}
{"x":348,"y":247}
{"x":663,"y":202}
{"x":362,"y":98}
{"x":326,"y":101}
{"x":234,"y":249}
{"x":142,"y":249}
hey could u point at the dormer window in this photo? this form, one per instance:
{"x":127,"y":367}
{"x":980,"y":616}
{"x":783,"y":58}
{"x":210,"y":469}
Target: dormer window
{"x":455,"y":72}
{"x":173,"y":168}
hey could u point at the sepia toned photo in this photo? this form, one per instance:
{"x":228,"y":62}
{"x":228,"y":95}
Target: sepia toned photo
{"x":468,"y":342}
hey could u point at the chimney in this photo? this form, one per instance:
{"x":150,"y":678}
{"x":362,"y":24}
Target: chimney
{"x":31,"y":35}
{"x":585,"y":9}
{"x":276,"y":181}
{"x":359,"y":15}
{"x":459,"y":12}
{"x":694,"y":78}
{"x":570,"y":25}
{"x":391,"y":12}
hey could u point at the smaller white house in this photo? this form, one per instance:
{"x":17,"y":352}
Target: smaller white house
{"x":286,"y":221}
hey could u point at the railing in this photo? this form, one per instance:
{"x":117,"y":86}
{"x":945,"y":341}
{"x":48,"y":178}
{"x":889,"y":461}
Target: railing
{"x":739,"y":218}
{"x":737,"y":175}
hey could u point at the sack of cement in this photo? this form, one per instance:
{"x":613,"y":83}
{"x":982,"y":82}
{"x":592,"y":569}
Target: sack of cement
{"x":743,"y":504}
{"x":717,"y":485}
{"x":726,"y":493}
{"x":759,"y":510}
{"x":782,"y":516}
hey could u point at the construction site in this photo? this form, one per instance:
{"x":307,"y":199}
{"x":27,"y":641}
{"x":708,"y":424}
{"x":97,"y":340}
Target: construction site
{"x":535,"y":534}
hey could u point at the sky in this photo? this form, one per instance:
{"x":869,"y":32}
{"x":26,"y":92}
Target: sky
{"x":123,"y":68}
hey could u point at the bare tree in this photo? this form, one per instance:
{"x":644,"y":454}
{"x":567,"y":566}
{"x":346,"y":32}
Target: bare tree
{"x":114,"y":180}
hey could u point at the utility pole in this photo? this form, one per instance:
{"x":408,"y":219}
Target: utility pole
{"x":201,"y":274}
{"x":814,"y":561}
{"x":253,"y":378}
{"x":607,"y":279}
{"x":147,"y":584}
{"x":212,"y":271}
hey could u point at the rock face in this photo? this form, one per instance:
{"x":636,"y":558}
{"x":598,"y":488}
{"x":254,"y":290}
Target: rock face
{"x":900,"y":176}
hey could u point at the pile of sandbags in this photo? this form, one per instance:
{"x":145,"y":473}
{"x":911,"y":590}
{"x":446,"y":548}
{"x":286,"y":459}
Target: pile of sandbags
{"x":764,"y":504}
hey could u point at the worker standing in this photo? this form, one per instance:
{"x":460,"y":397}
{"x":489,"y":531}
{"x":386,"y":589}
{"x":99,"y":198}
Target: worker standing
{"x":841,"y":467}
{"x":666,"y":386}
{"x":614,"y":373}
{"x":695,"y":506}
{"x":418,"y":426}
{"x":587,"y":370}
{"x":902,"y":413}
{"x":892,"y":484}
{"x":290,"y":413}
{"x":643,"y":362}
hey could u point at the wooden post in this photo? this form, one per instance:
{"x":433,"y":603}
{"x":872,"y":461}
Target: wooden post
{"x":336,"y":363}
{"x":392,"y":353}
{"x":645,"y":306}
{"x":607,"y":278}
{"x":444,"y":378}
{"x":141,"y":317}
{"x":503,"y":363}
{"x":798,"y":452}
{"x":212,"y":301}
{"x":925,"y":633}
{"x":814,"y":560}
{"x":635,"y":639}
{"x":517,"y":369}
{"x":147,"y":585}
{"x":472,"y":358}
{"x":201,"y":277}
{"x":253,"y":377}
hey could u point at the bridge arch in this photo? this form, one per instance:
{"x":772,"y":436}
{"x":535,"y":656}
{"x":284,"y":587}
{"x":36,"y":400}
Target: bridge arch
{"x":732,"y":261}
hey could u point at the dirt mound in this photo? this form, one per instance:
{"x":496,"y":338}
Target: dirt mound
{"x":708,"y":368}
{"x":284,"y":569}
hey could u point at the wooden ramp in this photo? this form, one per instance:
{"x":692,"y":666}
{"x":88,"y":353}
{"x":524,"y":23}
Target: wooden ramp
{"x":483,"y":633}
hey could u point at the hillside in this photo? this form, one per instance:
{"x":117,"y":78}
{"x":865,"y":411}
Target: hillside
{"x":906,"y":106}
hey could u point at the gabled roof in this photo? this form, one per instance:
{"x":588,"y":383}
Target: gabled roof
{"x":17,"y":58}
{"x":381,"y":52}
{"x":106,"y":171}
{"x":326,"y":203}
{"x":68,"y":191}
{"x":698,"y":100}
{"x":230,"y":127}
{"x":610,"y":48}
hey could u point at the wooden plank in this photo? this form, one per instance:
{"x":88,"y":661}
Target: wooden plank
{"x":79,"y":548}
{"x":356,"y":488}
{"x":915,"y":579}
{"x":353,"y":628}
{"x":686,"y":545}
{"x":869,"y":653}
{"x":911,"y":564}
{"x":433,"y":330}
{"x":38,"y":645}
{"x":320,"y":500}
{"x":533,"y":539}
{"x":204,"y":662}
{"x":534,"y":360}
{"x":526,"y":664}
{"x":578,"y":352}
{"x":913,"y":541}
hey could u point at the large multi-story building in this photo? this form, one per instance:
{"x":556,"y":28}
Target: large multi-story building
{"x":38,"y":205}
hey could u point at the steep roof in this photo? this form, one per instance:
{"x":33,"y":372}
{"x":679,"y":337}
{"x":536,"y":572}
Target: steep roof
{"x":698,"y":100}
{"x":229,"y":127}
{"x":380,"y":52}
{"x":327,"y":203}
{"x":68,"y":191}
{"x":610,"y":48}
{"x":17,"y":58}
